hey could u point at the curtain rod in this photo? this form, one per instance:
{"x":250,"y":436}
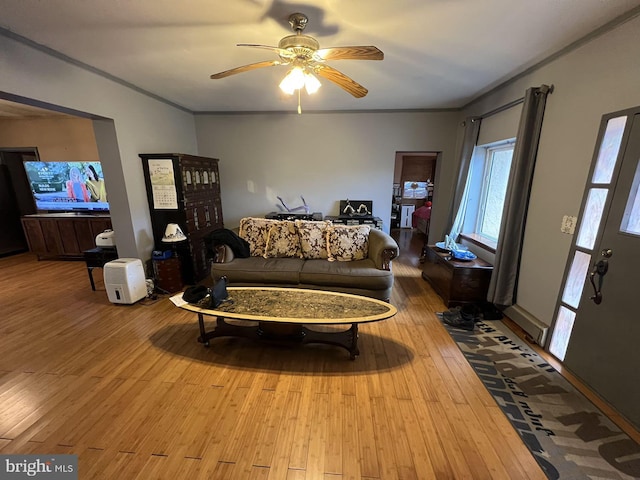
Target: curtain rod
{"x":495,"y":111}
{"x":544,"y":88}
{"x":502,"y":108}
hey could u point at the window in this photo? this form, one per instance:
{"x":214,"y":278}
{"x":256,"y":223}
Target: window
{"x":415,"y":190}
{"x":487,"y":187}
{"x":494,"y":189}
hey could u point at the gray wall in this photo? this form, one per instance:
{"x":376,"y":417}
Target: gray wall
{"x":142,"y":125}
{"x":601,"y":76}
{"x":324,"y":157}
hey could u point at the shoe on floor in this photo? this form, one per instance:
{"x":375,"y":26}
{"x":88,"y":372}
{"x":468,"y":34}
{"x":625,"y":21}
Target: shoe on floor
{"x":467,"y":312}
{"x":458,"y":320}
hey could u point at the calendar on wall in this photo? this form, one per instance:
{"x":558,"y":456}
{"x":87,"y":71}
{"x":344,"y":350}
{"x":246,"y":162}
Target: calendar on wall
{"x":184,"y":189}
{"x":163,"y":185}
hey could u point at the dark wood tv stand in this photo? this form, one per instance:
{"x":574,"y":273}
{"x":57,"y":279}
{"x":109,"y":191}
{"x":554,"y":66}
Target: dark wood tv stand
{"x":63,"y":235}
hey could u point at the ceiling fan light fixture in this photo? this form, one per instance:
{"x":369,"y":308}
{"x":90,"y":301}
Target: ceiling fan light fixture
{"x":311,"y":83}
{"x":307,"y":61}
{"x":294,"y":80}
{"x":298,"y":78}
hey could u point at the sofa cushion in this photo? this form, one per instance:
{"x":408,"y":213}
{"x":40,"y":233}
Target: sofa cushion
{"x":361,"y":274}
{"x":347,"y":243}
{"x":259,"y":270}
{"x":313,"y":238}
{"x":256,"y":231}
{"x":283,"y":240}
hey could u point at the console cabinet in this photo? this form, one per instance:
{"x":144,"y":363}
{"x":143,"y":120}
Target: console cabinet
{"x":373,"y":222}
{"x":184,"y":189}
{"x":457,"y":282}
{"x":60,"y":235}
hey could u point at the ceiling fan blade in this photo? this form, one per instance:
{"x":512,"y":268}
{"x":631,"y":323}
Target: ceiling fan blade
{"x":279,"y":51}
{"x":340,"y":79}
{"x":350,"y":53}
{"x":246,"y":68}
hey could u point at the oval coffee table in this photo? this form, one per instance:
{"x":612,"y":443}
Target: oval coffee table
{"x":285,"y":314}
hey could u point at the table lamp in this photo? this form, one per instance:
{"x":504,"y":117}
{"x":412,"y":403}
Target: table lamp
{"x":173,"y":234}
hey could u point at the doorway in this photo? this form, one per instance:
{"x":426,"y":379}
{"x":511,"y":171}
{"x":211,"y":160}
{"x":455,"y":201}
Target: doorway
{"x":15,"y":198}
{"x":596,"y":327}
{"x":414,"y":182}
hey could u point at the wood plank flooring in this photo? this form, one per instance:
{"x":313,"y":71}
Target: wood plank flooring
{"x":129,"y":390}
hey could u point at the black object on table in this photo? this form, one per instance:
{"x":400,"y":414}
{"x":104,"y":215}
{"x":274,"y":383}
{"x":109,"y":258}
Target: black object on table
{"x":96,"y":258}
{"x":315,"y":216}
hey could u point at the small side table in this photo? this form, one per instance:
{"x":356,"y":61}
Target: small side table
{"x":168,"y":274}
{"x":96,"y":258}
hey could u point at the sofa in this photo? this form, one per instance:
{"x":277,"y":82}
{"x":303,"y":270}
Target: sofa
{"x":310,"y":254}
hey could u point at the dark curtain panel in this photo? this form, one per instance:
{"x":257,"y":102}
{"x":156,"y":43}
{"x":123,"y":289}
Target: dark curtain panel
{"x":471,"y":130}
{"x":504,"y":281}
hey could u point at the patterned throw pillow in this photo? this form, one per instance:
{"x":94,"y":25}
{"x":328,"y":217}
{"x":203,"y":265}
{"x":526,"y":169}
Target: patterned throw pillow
{"x":313,"y":238}
{"x":346,"y":243}
{"x":283,"y":240}
{"x":255,"y":231}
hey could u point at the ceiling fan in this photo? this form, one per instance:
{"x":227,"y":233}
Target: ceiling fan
{"x":305,"y":57}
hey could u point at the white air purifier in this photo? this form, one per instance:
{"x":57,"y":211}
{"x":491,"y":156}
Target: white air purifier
{"x":124,"y":280}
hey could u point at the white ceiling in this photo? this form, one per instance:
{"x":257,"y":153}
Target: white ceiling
{"x":438,"y":53}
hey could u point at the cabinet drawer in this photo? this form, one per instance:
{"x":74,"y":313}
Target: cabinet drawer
{"x":168,"y":274}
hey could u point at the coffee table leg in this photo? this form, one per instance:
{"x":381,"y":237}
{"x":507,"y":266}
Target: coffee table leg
{"x":293,"y":334}
{"x":353,"y":350}
{"x":203,"y":335}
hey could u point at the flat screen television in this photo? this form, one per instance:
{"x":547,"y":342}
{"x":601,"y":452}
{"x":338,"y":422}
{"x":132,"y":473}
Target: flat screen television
{"x":67,"y":186}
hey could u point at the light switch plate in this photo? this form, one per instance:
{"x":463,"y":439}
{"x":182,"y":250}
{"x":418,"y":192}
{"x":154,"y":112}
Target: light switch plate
{"x":568,"y":224}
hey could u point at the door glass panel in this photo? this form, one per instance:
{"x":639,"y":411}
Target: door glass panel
{"x":631,"y":217}
{"x":576,"y":278}
{"x":609,"y":149}
{"x":562,"y":332}
{"x":591,"y":218}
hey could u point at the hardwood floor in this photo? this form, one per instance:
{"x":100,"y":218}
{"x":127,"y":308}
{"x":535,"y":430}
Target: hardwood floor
{"x":129,"y":390}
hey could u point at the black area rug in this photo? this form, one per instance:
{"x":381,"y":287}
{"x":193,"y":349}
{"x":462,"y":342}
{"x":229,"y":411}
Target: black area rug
{"x":568,"y":435}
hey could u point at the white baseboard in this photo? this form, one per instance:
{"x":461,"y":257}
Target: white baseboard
{"x":530,"y":324}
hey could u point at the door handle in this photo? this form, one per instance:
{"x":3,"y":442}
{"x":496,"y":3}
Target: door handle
{"x":600,"y":269}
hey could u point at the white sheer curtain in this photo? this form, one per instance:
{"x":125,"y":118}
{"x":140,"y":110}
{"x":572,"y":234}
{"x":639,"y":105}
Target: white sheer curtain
{"x":458,"y":221}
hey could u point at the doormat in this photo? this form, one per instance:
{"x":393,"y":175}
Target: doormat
{"x":569,"y":436}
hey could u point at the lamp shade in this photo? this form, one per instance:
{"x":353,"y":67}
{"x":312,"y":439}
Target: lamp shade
{"x":298,"y":78}
{"x":311,"y":83}
{"x":173,"y":233}
{"x":294,"y":80}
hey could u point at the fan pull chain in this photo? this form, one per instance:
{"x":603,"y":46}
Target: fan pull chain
{"x":299,"y":107}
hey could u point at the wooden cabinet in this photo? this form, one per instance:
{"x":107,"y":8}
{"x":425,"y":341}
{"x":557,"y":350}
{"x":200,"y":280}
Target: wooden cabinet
{"x":184,"y":189}
{"x":60,"y":235}
{"x":457,"y":282}
{"x":168,"y":275}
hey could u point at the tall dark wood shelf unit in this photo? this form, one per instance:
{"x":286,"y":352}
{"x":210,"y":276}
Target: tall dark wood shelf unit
{"x":184,"y":189}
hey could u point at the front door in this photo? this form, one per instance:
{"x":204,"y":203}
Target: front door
{"x":604,"y":345}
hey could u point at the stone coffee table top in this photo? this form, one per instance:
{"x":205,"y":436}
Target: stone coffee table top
{"x":296,"y":306}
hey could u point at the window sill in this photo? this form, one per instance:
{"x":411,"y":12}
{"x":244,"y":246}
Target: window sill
{"x":480,"y":241}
